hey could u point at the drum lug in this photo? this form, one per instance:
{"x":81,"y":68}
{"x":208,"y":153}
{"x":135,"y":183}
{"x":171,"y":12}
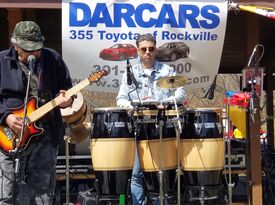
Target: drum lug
{"x":169,"y":123}
{"x":220,"y":128}
{"x":92,"y":127}
{"x":109,"y":126}
{"x":198,"y":114}
{"x":130,"y":127}
{"x":198,"y":127}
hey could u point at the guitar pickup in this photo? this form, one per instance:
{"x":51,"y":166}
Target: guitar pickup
{"x":27,"y":121}
{"x":9,"y":133}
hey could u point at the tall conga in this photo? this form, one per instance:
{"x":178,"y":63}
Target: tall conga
{"x":112,"y":149}
{"x":202,"y":153}
{"x":147,"y":118}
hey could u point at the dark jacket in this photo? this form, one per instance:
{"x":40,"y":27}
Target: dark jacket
{"x":54,"y":76}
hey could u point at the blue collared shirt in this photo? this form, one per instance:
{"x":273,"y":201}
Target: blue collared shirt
{"x":127,"y":93}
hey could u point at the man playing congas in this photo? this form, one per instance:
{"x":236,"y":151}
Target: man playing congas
{"x":144,"y":87}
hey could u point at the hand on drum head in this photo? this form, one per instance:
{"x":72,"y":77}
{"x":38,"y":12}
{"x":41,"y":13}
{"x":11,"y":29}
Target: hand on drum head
{"x":160,"y":106}
{"x":126,"y":106}
{"x":164,"y":106}
{"x":146,"y":98}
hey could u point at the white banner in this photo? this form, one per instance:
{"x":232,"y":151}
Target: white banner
{"x":98,"y":34}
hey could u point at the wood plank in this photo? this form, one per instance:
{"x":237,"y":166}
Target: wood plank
{"x":254,"y":168}
{"x":62,"y":177}
{"x":42,"y":5}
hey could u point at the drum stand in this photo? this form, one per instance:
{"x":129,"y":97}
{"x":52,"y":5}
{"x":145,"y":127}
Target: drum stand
{"x":67,"y":140}
{"x":230,"y":185}
{"x":159,"y":123}
{"x":179,"y":172}
{"x":161,"y":194}
{"x":178,"y":129}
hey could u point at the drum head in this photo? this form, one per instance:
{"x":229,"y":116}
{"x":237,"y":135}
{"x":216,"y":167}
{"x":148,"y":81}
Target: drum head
{"x":204,"y":110}
{"x":108,"y":109}
{"x":147,"y":103}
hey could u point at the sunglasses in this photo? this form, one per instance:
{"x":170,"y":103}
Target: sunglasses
{"x":149,"y":49}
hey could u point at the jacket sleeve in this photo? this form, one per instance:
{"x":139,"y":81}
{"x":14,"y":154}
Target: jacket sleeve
{"x":123,"y":99}
{"x":64,"y":78}
{"x":4,"y":111}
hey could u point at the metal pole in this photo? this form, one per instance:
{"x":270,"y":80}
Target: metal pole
{"x":67,"y":139}
{"x":229,"y":153}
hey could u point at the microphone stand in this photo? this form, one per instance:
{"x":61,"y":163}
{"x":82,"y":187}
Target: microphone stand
{"x":131,"y":80}
{"x":16,"y":151}
{"x":254,"y":64}
{"x":135,"y":107}
{"x":178,"y":129}
{"x":139,"y":107}
{"x":228,"y":142}
{"x":161,"y":193}
{"x":210,"y":92}
{"x":67,"y":139}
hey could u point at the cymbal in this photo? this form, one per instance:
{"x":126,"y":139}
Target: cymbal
{"x":172,"y":81}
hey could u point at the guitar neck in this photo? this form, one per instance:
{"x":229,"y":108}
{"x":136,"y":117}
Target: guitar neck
{"x":40,"y":112}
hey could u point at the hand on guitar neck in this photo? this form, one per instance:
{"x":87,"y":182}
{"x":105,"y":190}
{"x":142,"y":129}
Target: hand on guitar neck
{"x":64,"y":100}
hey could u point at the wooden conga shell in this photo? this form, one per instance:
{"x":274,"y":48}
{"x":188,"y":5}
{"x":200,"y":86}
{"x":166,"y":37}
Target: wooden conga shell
{"x":75,"y":116}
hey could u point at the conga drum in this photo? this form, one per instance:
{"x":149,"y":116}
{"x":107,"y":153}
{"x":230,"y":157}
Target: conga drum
{"x":75,"y":116}
{"x":173,"y":113}
{"x":152,"y":160}
{"x":202,"y":153}
{"x":112,"y":147}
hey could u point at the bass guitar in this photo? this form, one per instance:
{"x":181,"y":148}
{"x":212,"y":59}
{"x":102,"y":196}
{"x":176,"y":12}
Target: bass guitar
{"x":10,"y":140}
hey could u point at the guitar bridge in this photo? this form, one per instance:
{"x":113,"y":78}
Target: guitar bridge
{"x":9,"y":133}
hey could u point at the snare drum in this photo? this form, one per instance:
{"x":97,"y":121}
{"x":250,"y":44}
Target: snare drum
{"x":202,"y":152}
{"x":112,"y":147}
{"x":75,"y":116}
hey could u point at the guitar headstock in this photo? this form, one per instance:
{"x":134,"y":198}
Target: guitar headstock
{"x":97,"y":76}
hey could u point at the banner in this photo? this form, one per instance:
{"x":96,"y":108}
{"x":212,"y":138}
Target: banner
{"x":98,"y":34}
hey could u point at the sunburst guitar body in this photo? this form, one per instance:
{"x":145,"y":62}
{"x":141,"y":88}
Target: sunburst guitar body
{"x":9,"y":139}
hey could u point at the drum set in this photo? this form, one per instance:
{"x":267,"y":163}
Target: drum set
{"x":181,"y":151}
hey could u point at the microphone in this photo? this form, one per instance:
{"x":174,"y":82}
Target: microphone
{"x":253,"y":56}
{"x":210,"y":92}
{"x":31,"y":61}
{"x":129,"y":75}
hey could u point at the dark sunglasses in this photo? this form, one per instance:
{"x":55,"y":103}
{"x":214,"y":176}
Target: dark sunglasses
{"x":150,"y":49}
{"x":31,"y":51}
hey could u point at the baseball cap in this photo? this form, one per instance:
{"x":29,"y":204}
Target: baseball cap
{"x":27,"y":35}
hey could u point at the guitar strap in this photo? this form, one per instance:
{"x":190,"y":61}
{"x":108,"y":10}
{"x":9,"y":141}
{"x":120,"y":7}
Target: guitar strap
{"x":42,"y":97}
{"x":34,"y":80}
